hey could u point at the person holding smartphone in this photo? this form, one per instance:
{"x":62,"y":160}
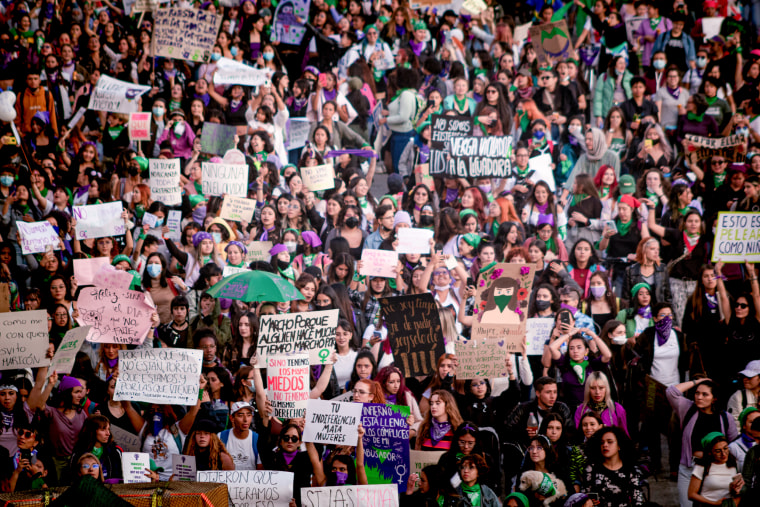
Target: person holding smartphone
{"x":725,"y":483}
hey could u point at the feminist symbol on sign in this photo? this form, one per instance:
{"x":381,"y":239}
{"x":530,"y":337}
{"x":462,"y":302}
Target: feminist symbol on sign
{"x":323,"y":355}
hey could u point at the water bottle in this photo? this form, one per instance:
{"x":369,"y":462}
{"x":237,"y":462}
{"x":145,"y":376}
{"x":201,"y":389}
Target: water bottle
{"x":532,"y":423}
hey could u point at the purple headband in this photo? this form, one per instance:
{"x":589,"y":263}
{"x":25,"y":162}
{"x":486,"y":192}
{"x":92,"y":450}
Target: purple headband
{"x":278,"y":248}
{"x":200,"y":236}
{"x":544,"y":219}
{"x":237,"y":244}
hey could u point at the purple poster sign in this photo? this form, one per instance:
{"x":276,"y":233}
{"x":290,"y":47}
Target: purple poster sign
{"x":386,"y":444}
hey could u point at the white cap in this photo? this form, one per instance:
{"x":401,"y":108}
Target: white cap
{"x":752,"y":369}
{"x":239,"y":405}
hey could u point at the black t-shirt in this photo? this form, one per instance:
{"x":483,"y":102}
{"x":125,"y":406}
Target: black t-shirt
{"x":706,"y":423}
{"x":675,"y":52}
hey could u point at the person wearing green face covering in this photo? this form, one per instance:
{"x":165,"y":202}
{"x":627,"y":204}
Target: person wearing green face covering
{"x":501,"y":302}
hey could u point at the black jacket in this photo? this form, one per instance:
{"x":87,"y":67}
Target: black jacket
{"x":661,"y":284}
{"x":517,"y":423}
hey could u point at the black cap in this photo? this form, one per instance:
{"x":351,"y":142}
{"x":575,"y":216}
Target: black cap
{"x":206,"y":425}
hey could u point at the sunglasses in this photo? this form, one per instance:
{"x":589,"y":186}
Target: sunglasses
{"x":742,"y":305}
{"x":25,"y":433}
{"x":718,"y":162}
{"x":290,"y":438}
{"x":87,"y":466}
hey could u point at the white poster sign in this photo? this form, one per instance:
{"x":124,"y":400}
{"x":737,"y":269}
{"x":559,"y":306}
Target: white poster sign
{"x":116,"y":96}
{"x":99,"y":220}
{"x":164,"y":376}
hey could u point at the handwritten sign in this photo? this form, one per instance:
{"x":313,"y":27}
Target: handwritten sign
{"x":145,"y":5}
{"x":183,"y":467}
{"x":63,"y":360}
{"x":481,"y":358}
{"x":116,"y":315}
{"x":174,"y":223}
{"x":252,"y":488}
{"x":318,"y":177}
{"x":420,"y":459}
{"x":538,"y":331}
{"x":330,"y":422}
{"x":375,"y":495}
{"x":115,"y":96}
{"x":23,"y":339}
{"x":481,"y":157}
{"x":99,"y":220}
{"x":238,"y":209}
{"x":232,"y":72}
{"x":217,"y":138}
{"x":414,"y":331}
{"x":312,"y":332}
{"x":186,"y":34}
{"x":109,"y":276}
{"x":737,"y":238}
{"x":288,"y":385}
{"x":443,"y":128}
{"x":733,"y":148}
{"x":411,"y":240}
{"x":135,"y":465}
{"x":37,"y":237}
{"x":139,"y":127}
{"x":164,"y":376}
{"x":542,"y":165}
{"x":129,"y":442}
{"x":229,"y":179}
{"x":85,"y":270}
{"x":287,"y":27}
{"x":552,"y":41}
{"x":258,"y":251}
{"x":232,"y":270}
{"x":298,"y":133}
{"x":164,"y":181}
{"x":379,"y":263}
{"x":386,"y":444}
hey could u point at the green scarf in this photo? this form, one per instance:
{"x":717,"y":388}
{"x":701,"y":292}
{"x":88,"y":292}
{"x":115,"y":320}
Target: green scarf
{"x":97,"y":451}
{"x":473,"y":493}
{"x":114,"y":132}
{"x":719,"y":179}
{"x":308,"y":260}
{"x":579,"y":368}
{"x":695,"y":117}
{"x":522,"y":172}
{"x":683,"y":210}
{"x":363,"y":203}
{"x":623,"y":228}
{"x":605,"y":191}
{"x":550,"y":244}
{"x":486,"y":268}
{"x":654,"y":22}
{"x":198,"y":187}
{"x":653,"y":197}
{"x":288,"y":273}
{"x":460,"y":104}
{"x":711,"y":100}
{"x":577,"y":198}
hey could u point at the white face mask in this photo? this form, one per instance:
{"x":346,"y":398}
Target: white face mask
{"x":179,"y":128}
{"x":291,"y":246}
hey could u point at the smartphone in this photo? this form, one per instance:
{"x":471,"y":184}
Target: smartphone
{"x":322,"y":80}
{"x":647,"y":143}
{"x":564,"y":319}
{"x":378,"y":335}
{"x":611,"y":224}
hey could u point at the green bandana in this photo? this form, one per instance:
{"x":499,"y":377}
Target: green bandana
{"x":546,"y":488}
{"x":97,"y":451}
{"x":288,"y":273}
{"x":695,"y":117}
{"x":683,"y":210}
{"x":653,"y":197}
{"x":623,"y":228}
{"x":711,"y":100}
{"x":579,"y":368}
{"x":719,"y":179}
{"x":460,"y":103}
{"x":398,"y":93}
{"x":524,"y":121}
{"x":522,"y":172}
{"x":114,"y":132}
{"x":486,"y":268}
{"x":198,"y":187}
{"x":605,"y":191}
{"x":577,"y":198}
{"x":654,"y":22}
{"x":473,"y":493}
{"x":550,"y":244}
{"x":502,"y":301}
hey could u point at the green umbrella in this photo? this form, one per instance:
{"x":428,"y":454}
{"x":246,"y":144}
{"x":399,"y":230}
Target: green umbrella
{"x":252,"y":286}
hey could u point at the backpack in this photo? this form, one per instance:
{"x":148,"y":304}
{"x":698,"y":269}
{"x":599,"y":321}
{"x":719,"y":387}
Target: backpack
{"x":224,"y":436}
{"x":693,"y":411}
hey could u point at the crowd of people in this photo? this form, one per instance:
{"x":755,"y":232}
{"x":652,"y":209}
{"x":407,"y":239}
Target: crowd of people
{"x":651,"y":339}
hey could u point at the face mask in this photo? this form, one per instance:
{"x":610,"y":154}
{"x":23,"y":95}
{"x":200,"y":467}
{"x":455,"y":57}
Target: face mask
{"x":485,"y":188}
{"x":476,"y":63}
{"x":598,"y":292}
{"x":159,"y":223}
{"x":323,"y":307}
{"x":743,"y":131}
{"x":282,"y":264}
{"x":655,"y":141}
{"x":542,"y":305}
{"x":234,"y":50}
{"x":619,"y":72}
{"x":251,"y":387}
{"x":701,"y":62}
{"x":340,"y":478}
{"x":158,"y":422}
{"x":574,"y":128}
{"x":659,"y":64}
{"x":179,"y":129}
{"x":217,"y":237}
{"x":154,"y":270}
{"x":502,"y":301}
{"x":426,"y":220}
{"x":291,"y":246}
{"x":352,"y":222}
{"x":539,"y":134}
{"x":199,"y":214}
{"x":268,"y":56}
{"x":664,"y":325}
{"x":215,"y":57}
{"x":159,"y":111}
{"x":6,"y":181}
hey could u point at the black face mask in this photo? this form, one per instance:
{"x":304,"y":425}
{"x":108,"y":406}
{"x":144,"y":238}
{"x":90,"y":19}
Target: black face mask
{"x":283,"y":265}
{"x":542,"y":305}
{"x":426,"y":220}
{"x":323,"y":307}
{"x":655,"y":141}
{"x":352,"y":222}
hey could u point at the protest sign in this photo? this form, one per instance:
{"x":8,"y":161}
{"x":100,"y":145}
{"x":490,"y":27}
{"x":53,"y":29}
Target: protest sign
{"x":379,"y":263}
{"x":115,"y":96}
{"x":552,"y":42}
{"x":318,"y":177}
{"x":129,"y":442}
{"x":474,"y":7}
{"x":23,"y":339}
{"x":258,"y":251}
{"x":77,"y":116}
{"x":286,"y":27}
{"x":632,"y":24}
{"x":480,"y":157}
{"x":422,"y":175}
{"x":174,"y":223}
{"x":288,"y":384}
{"x":37,"y":237}
{"x":374,"y":495}
{"x":238,"y":209}
{"x":217,"y":138}
{"x":63,"y":360}
{"x":501,"y":310}
{"x":483,"y":358}
{"x":733,"y":148}
{"x":116,"y":315}
{"x":420,"y":459}
{"x":298,"y":133}
{"x":414,"y":331}
{"x":99,"y":220}
{"x":135,"y":465}
{"x":412,"y":240}
{"x":521,"y":33}
{"x":164,"y":181}
{"x":312,"y":332}
{"x":139,"y":127}
{"x":386,"y":444}
{"x":186,"y":34}
{"x":150,"y":220}
{"x":109,"y":276}
{"x":164,"y":376}
{"x":737,"y":238}
{"x":443,"y":128}
{"x":711,"y":27}
{"x":85,"y":270}
{"x":537,"y":332}
{"x":331,"y":422}
{"x":232,"y":72}
{"x":543,"y":171}
{"x":229,"y":179}
{"x":183,"y":467}
{"x":253,"y":488}
{"x":145,"y":6}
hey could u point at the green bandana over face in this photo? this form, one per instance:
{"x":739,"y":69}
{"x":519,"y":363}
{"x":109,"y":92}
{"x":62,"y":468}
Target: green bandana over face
{"x":502,"y":301}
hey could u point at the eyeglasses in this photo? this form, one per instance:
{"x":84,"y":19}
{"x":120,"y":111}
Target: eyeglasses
{"x":535,"y":448}
{"x":718,"y":162}
{"x":467,"y":466}
{"x":492,"y":91}
{"x":722,"y":450}
{"x":440,"y":273}
{"x":25,"y":433}
{"x":465,"y":443}
{"x":87,"y":466}
{"x":290,"y":438}
{"x":359,"y":391}
{"x":742,"y":305}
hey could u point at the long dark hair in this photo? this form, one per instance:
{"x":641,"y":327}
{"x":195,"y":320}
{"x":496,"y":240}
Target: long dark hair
{"x":594,"y":446}
{"x":363,"y":354}
{"x":161,"y":278}
{"x":609,"y":295}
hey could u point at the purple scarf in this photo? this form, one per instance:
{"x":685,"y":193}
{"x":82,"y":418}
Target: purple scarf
{"x":438,"y":431}
{"x":289,"y":456}
{"x":358,"y":153}
{"x":674,"y":93}
{"x":112,"y":362}
{"x":330,"y":95}
{"x":390,"y":398}
{"x":265,"y":234}
{"x":542,"y":207}
{"x":451,"y":195}
{"x":645,"y":312}
{"x":662,"y":330}
{"x":416,"y":47}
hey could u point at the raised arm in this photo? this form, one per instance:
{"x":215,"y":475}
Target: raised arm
{"x":37,"y":397}
{"x":725,"y":303}
{"x":653,"y":226}
{"x":186,"y":423}
{"x":324,"y":378}
{"x":261,"y":396}
{"x":316,"y":464}
{"x":555,"y":346}
{"x":361,"y":473}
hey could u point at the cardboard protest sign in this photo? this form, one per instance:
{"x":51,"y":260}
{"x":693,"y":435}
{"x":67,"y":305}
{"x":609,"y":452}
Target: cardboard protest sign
{"x":312,"y":332}
{"x":542,"y":165}
{"x":115,"y":96}
{"x":287,"y":28}
{"x":129,"y":442}
{"x":23,"y":339}
{"x":318,"y":177}
{"x":238,"y":209}
{"x":185,"y":34}
{"x":217,"y":138}
{"x":632,"y":24}
{"x":374,"y":495}
{"x":145,"y":5}
{"x":331,"y":422}
{"x":164,"y":181}
{"x":229,"y":179}
{"x":258,"y":251}
{"x":232,"y":72}
{"x":538,"y":331}
{"x":139,"y":127}
{"x":232,"y":270}
{"x":501,"y":310}
{"x":298,"y":133}
{"x":135,"y":465}
{"x":386,"y":444}
{"x":422,"y":175}
{"x":737,"y":238}
{"x":164,"y":376}
{"x":183,"y":467}
{"x":483,"y":358}
{"x":37,"y":237}
{"x":552,"y":41}
{"x":414,"y":331}
{"x":288,"y":385}
{"x":85,"y":270}
{"x":411,"y":240}
{"x":733,"y":148}
{"x":174,"y":223}
{"x":116,"y":315}
{"x":443,"y":128}
{"x":379,"y":263}
{"x":253,"y":487}
{"x":99,"y":220}
{"x":63,"y":360}
{"x":420,"y":459}
{"x":480,"y":157}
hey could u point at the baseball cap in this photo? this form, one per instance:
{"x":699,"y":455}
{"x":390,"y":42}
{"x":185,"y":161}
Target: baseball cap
{"x":627,"y":184}
{"x":718,"y":39}
{"x":710,"y":3}
{"x":752,"y":369}
{"x":240,"y":405}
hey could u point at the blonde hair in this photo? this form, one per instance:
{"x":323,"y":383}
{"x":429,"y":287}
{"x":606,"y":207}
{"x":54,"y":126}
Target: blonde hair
{"x":448,"y":325}
{"x":599,"y":378}
{"x":215,"y":449}
{"x":91,"y":456}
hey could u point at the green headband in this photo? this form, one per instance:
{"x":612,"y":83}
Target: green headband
{"x":466,"y":212}
{"x":708,"y":439}
{"x":388,"y":196}
{"x":471,"y":239}
{"x":121,"y":258}
{"x":419,"y":24}
{"x":522,"y":499}
{"x":743,"y":416}
{"x":639,"y":286}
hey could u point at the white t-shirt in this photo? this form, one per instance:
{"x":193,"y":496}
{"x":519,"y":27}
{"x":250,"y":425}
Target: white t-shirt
{"x":716,"y":486}
{"x":665,"y":362}
{"x":343,"y":367}
{"x":161,"y":448}
{"x":242,"y":452}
